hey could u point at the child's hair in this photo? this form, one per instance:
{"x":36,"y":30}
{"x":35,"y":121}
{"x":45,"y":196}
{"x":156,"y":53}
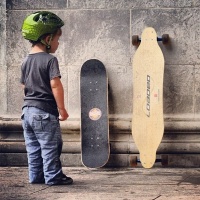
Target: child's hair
{"x":58,"y":32}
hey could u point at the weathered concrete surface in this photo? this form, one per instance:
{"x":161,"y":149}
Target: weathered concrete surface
{"x":3,"y":66}
{"x":105,"y":184}
{"x":103,"y":30}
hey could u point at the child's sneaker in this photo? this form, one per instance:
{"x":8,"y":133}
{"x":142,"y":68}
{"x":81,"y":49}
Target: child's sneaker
{"x":64,"y":181}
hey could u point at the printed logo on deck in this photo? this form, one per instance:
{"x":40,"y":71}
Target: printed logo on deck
{"x":95,"y":114}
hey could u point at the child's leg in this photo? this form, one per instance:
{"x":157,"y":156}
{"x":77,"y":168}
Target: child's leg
{"x":51,"y":145}
{"x":35,"y":163}
{"x":46,"y":128}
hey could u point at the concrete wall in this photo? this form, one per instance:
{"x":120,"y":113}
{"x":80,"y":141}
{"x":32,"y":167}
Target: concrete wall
{"x":103,"y":30}
{"x":3,"y":67}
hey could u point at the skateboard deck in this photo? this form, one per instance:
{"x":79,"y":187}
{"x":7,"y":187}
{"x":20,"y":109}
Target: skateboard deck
{"x":147,"y":119}
{"x":95,"y":148}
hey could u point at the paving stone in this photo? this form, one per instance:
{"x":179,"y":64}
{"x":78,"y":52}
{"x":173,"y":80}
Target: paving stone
{"x":105,"y":184}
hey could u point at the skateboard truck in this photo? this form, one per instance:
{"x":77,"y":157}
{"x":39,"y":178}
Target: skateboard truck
{"x":136,"y":40}
{"x":163,"y":160}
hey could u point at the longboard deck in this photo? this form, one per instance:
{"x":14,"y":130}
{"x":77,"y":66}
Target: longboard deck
{"x":147,"y":119}
{"x":95,"y":146}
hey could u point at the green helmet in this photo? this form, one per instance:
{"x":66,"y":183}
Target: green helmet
{"x":40,"y":23}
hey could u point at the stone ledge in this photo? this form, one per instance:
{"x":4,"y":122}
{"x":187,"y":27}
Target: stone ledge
{"x":181,"y":123}
{"x":115,"y":160}
{"x":116,"y":147}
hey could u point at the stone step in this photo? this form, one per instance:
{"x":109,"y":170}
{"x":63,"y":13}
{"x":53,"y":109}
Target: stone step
{"x":115,"y":160}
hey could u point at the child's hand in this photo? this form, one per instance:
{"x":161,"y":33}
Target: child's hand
{"x":63,"y":114}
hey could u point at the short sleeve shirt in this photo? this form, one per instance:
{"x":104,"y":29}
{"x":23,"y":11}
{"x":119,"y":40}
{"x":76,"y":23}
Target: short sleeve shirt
{"x":37,"y":71}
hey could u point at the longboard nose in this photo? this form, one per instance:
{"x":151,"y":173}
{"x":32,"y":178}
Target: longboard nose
{"x":148,"y":35}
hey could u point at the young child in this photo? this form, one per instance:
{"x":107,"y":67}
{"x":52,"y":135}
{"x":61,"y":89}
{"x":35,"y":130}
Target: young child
{"x":43,"y":99}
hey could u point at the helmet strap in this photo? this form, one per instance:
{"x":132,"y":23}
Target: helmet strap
{"x":48,"y":45}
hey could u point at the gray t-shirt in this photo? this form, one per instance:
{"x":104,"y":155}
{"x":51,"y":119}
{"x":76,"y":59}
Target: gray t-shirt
{"x":37,"y":71}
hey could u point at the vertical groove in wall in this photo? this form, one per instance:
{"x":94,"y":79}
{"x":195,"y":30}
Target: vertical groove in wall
{"x":3,"y":66}
{"x":195,"y":91}
{"x":130,"y":35}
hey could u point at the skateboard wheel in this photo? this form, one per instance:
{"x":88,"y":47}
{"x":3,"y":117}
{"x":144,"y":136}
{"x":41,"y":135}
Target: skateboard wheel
{"x":135,"y":40}
{"x":165,"y":38}
{"x":164,"y":160}
{"x":133,"y":161}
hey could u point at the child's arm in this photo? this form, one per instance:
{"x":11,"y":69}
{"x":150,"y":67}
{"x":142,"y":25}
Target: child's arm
{"x":58,"y":93}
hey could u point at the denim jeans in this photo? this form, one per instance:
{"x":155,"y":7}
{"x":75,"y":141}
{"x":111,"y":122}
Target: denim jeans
{"x":43,"y":145}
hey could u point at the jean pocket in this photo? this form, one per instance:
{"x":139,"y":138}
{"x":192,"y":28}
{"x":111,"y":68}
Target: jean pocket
{"x":41,"y":122}
{"x":23,"y":121}
{"x":22,"y":116}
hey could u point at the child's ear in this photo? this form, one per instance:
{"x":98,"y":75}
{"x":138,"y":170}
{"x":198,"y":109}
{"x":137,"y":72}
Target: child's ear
{"x":48,"y":39}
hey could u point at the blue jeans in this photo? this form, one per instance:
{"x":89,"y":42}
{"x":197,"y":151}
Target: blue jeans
{"x":43,"y":145}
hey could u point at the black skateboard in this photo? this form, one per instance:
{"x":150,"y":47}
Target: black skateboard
{"x":95,"y":148}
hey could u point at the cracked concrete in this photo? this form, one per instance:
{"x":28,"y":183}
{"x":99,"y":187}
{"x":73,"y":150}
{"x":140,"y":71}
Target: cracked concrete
{"x":105,"y":184}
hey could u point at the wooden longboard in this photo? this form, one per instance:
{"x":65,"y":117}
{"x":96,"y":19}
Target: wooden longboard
{"x":147,"y":119}
{"x":95,"y":147}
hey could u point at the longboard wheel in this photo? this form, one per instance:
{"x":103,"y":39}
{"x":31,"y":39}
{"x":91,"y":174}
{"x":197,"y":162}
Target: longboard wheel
{"x":164,"y":160}
{"x":165,"y":39}
{"x":133,"y":161}
{"x":135,"y":40}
